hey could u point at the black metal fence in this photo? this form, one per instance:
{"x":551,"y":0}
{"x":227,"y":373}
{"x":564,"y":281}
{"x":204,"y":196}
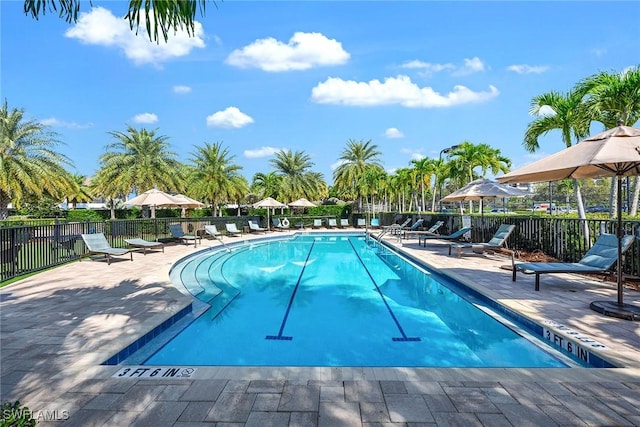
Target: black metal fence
{"x":30,"y":248}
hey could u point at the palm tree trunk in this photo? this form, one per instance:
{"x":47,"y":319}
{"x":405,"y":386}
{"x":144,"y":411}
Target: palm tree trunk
{"x":581,"y":213}
{"x":635,"y":197}
{"x":113,"y":209}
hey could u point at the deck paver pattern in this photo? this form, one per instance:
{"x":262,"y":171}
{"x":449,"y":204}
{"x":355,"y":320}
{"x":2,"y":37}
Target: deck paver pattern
{"x":57,"y":327}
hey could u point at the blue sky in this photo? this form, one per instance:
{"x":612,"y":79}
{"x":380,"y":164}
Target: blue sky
{"x":413,"y":77}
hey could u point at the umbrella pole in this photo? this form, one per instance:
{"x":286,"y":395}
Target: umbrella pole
{"x":619,"y":232}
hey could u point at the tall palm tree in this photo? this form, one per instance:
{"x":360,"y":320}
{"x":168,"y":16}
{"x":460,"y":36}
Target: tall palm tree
{"x":138,"y":160}
{"x":297,"y":178}
{"x":425,"y":168}
{"x":29,"y":162}
{"x":467,"y":157}
{"x":568,"y":115}
{"x":215,"y":178}
{"x":356,"y":160}
{"x":80,"y":193}
{"x":611,"y":97}
{"x":267,"y":185}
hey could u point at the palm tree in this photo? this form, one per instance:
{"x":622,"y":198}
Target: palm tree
{"x":81,"y":192}
{"x":160,"y":16}
{"x":468,"y":156}
{"x":29,"y":163}
{"x":568,"y":115}
{"x":267,"y":185}
{"x":297,"y":179}
{"x":215,"y":178}
{"x":356,"y":160}
{"x":611,"y":97}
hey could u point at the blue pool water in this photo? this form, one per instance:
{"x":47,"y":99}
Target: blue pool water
{"x":334,"y":301}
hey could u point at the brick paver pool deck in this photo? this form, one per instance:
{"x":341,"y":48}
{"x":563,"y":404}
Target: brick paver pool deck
{"x":57,"y":327}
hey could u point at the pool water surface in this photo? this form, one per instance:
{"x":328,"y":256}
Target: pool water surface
{"x":335,"y":300}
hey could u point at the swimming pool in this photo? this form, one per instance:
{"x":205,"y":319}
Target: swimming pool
{"x":335,"y":300}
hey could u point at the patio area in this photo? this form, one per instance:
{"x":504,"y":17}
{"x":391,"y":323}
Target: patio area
{"x":57,"y":327}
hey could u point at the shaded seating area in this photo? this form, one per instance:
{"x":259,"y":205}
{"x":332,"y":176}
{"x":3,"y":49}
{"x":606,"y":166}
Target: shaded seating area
{"x":232,"y":229}
{"x":177,"y":233}
{"x":498,"y":241}
{"x":598,"y":260}
{"x":457,"y":235}
{"x":97,"y":244}
{"x":145,"y":245}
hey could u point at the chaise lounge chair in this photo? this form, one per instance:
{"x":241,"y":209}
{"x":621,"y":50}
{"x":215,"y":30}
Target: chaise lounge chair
{"x":212,"y":230}
{"x":361,"y":222}
{"x":144,"y":245}
{"x":458,"y":235}
{"x":393,"y":227}
{"x":332,"y":223}
{"x":97,"y":244}
{"x":599,"y":259}
{"x":414,"y":227}
{"x":344,"y":222}
{"x":498,"y":240}
{"x":432,"y":231}
{"x":375,"y":223}
{"x":253,"y":226}
{"x":232,"y":230}
{"x":317,"y":223}
{"x":178,"y":234}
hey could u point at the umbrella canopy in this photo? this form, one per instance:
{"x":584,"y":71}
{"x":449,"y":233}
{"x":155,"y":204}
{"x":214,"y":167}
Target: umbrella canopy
{"x":153,"y":198}
{"x":481,"y":189}
{"x":269,"y":203}
{"x":615,"y":152}
{"x":302,"y":203}
{"x":187,"y":202}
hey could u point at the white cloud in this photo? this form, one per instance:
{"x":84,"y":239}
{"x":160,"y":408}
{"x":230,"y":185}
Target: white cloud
{"x":473,"y":65}
{"x":303,"y":51}
{"x":146,"y":118}
{"x":527,"y":69}
{"x":53,"y":122}
{"x":231,"y":117}
{"x":336,"y":165}
{"x":598,"y":51}
{"x":427,"y":67}
{"x":100,"y":27}
{"x":261,"y":152}
{"x":181,"y":89}
{"x":547,"y":111}
{"x":393,"y":133}
{"x":398,"y":90}
{"x":415,"y":154}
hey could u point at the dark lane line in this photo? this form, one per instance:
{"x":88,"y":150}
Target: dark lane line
{"x":384,"y":300}
{"x":293,"y":296}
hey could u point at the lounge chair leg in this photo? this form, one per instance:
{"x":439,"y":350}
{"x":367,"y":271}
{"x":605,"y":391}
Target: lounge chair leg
{"x":449,"y":250}
{"x":537,"y":282}
{"x":513,"y":276}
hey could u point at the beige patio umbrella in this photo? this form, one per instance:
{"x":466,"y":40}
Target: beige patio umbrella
{"x":153,"y":198}
{"x":186,"y":202}
{"x":269,"y":203}
{"x":301,"y":203}
{"x":481,"y":189}
{"x":613,"y":153}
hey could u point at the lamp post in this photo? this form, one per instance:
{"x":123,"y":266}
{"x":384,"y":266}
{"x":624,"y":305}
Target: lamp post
{"x":444,"y":151}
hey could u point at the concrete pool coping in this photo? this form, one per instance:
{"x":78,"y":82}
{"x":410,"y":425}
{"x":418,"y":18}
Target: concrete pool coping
{"x":58,"y":326}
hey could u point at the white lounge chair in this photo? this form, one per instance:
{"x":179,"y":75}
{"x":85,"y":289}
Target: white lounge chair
{"x":97,"y":244}
{"x":332,"y":223}
{"x":232,"y":230}
{"x":344,"y":222}
{"x":253,"y":226}
{"x":212,"y":230}
{"x":317,"y":223}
